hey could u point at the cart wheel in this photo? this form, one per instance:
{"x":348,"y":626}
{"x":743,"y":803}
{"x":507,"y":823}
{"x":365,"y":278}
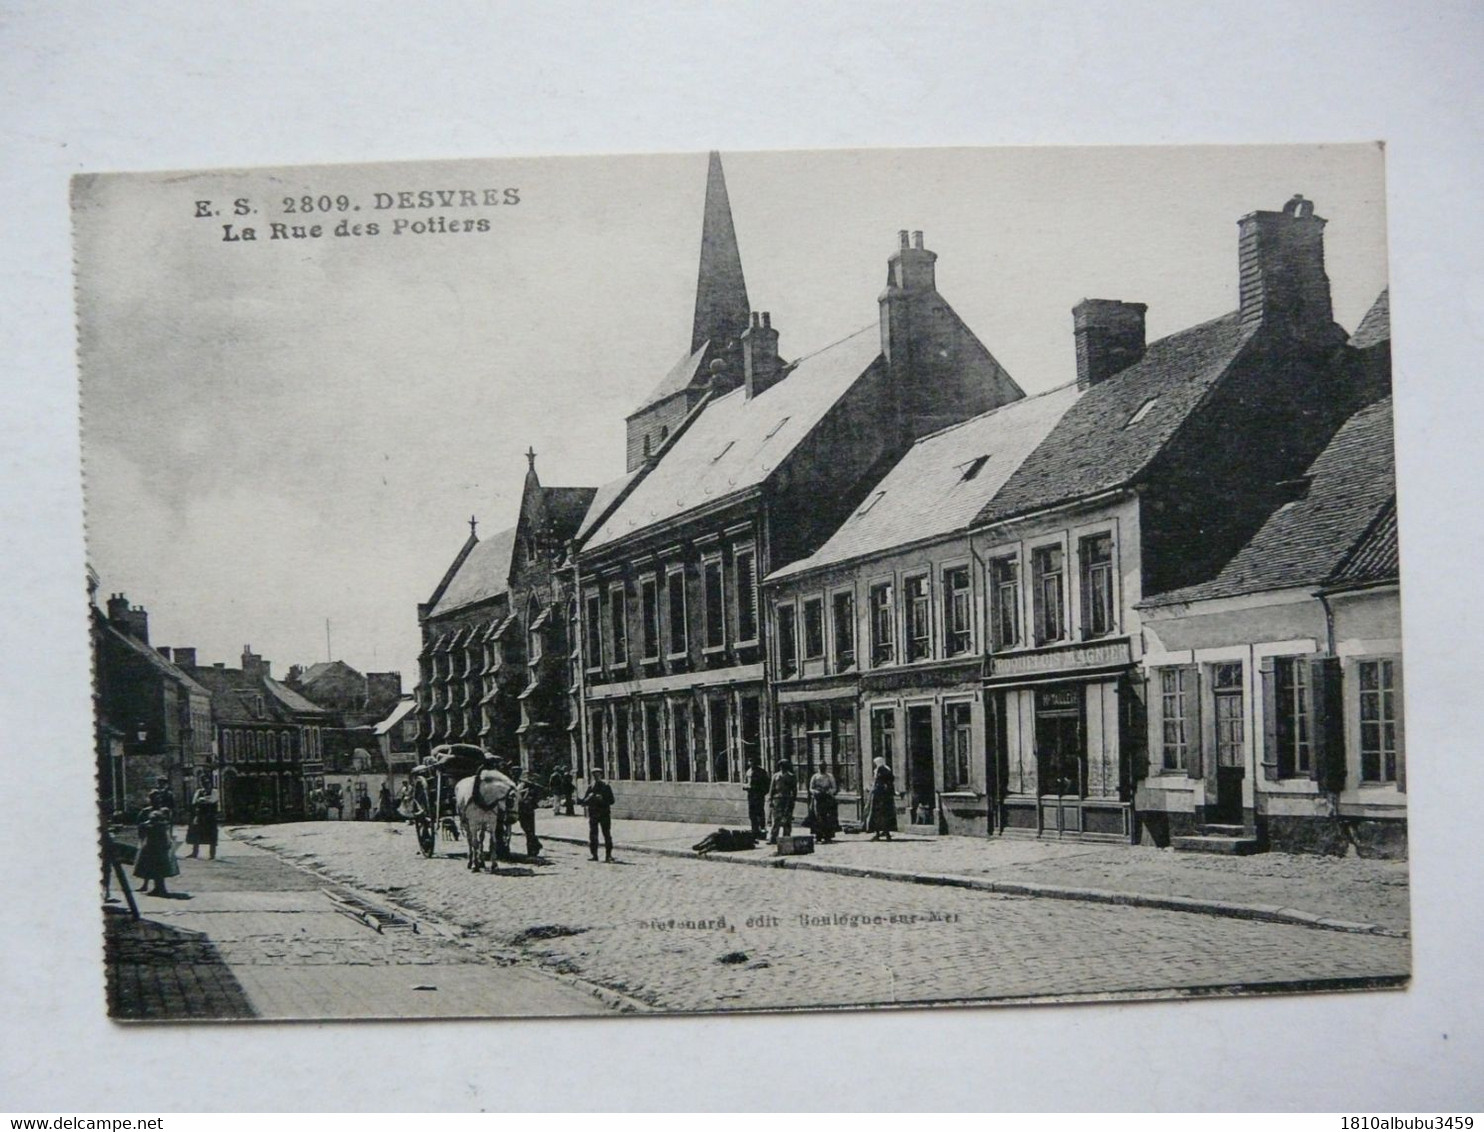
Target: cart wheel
{"x":425,"y":834}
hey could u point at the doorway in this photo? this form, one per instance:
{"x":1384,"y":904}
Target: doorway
{"x":922,"y":792}
{"x":1230,"y":761}
{"x":1061,"y":759}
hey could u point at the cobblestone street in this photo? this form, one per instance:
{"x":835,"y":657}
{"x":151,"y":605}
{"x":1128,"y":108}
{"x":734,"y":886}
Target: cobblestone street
{"x":710,"y":935}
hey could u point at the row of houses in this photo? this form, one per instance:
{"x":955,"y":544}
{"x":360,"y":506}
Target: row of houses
{"x":272,"y":746}
{"x":1156,"y":603}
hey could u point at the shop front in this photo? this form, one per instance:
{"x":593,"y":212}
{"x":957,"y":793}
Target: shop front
{"x":1066,"y":726}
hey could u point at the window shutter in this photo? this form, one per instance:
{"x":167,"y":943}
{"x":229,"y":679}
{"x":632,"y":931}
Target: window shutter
{"x":1398,"y":699}
{"x":1193,"y":733}
{"x":1329,"y":723}
{"x":1154,"y":732}
{"x":1268,"y":671}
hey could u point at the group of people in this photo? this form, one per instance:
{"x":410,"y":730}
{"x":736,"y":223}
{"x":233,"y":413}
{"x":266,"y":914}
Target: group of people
{"x":155,"y":861}
{"x":771,"y":800}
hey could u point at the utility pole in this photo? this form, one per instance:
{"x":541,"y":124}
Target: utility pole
{"x":328,"y":654}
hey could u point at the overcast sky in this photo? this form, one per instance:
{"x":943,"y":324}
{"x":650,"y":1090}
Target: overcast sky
{"x":284,"y":432}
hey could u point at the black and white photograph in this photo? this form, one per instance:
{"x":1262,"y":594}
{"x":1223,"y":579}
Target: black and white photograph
{"x":743,"y":581}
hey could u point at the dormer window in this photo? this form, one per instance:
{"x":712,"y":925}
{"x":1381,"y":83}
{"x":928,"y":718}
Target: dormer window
{"x":1141,"y":412}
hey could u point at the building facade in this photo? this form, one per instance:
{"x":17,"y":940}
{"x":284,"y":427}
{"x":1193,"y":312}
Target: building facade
{"x":772,"y":456}
{"x":153,"y":720}
{"x":494,"y":668}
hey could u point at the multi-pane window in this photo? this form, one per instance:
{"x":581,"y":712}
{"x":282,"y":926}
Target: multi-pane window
{"x":714,"y":591}
{"x":843,"y":612}
{"x":649,"y":602}
{"x":595,"y":739}
{"x":884,"y":735}
{"x":621,"y":741}
{"x":618,"y":624}
{"x":1377,"y":720}
{"x":1004,"y":584}
{"x":680,"y":739}
{"x":919,"y":617}
{"x":883,"y":617}
{"x":814,"y":628}
{"x":1096,"y":554}
{"x":654,"y":751}
{"x":957,"y":627}
{"x":957,"y":733}
{"x":675,"y":587}
{"x":788,"y":641}
{"x":1047,"y":567}
{"x":1295,"y":723}
{"x":746,"y":566}
{"x":1226,"y":687}
{"x":1175,"y":687}
{"x":717,"y":734}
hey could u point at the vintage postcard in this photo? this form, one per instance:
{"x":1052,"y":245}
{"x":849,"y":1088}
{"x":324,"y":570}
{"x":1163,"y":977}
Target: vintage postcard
{"x":743,"y":581}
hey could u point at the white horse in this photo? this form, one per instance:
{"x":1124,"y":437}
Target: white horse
{"x":480,"y":799}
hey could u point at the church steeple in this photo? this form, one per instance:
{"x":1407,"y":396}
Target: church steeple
{"x":722,"y":309}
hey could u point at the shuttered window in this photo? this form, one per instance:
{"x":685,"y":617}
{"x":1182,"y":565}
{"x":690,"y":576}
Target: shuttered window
{"x":649,"y":591}
{"x":843,"y":612}
{"x":714,"y":594}
{"x":1004,"y":576}
{"x":788,"y":642}
{"x":675,"y":585}
{"x":746,"y":563}
{"x":1176,"y":724}
{"x":1047,"y":597}
{"x":883,"y":616}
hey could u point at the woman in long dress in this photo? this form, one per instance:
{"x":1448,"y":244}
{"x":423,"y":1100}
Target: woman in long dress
{"x":202,"y":830}
{"x":824,"y":812}
{"x":156,"y":859}
{"x":881,"y":821}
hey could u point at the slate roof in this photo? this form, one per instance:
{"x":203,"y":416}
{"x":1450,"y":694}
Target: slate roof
{"x":678,"y":380}
{"x":1375,"y":558}
{"x":484,"y":574}
{"x":1351,"y":484}
{"x":1375,"y":327}
{"x":738,"y":441}
{"x":290,"y":698}
{"x":926,"y":493}
{"x":1097,"y":445}
{"x":603,"y":500}
{"x":155,"y":660}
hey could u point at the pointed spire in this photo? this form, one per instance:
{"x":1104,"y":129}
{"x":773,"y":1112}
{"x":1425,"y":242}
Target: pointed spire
{"x":531,"y":458}
{"x":721,"y":293}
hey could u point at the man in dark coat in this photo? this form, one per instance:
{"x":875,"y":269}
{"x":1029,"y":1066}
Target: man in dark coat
{"x":783,"y":794}
{"x":527,"y":798}
{"x":755,"y":779}
{"x":598,"y":801}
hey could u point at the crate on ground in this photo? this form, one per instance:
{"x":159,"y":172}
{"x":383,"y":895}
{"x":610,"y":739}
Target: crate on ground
{"x":794,"y":845}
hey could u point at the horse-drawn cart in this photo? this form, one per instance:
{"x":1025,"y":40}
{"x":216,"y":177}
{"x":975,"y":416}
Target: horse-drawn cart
{"x":435,"y":813}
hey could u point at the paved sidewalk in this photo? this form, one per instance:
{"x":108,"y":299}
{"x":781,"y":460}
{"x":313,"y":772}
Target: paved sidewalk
{"x":248,"y":936}
{"x":1345,"y":894}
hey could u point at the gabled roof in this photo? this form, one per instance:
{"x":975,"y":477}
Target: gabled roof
{"x":231,"y":691}
{"x":483,"y":574}
{"x":1375,"y":327}
{"x":565,"y":508}
{"x":737,"y":441}
{"x":1099,"y":445}
{"x":290,"y":698}
{"x":678,"y":380}
{"x":405,"y":706}
{"x":153,"y":658}
{"x":1351,"y":485}
{"x":328,"y":669}
{"x":928,"y":494}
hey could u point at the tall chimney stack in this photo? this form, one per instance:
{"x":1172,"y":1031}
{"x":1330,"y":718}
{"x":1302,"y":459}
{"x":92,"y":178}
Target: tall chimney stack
{"x":761,"y":367}
{"x":1281,"y":259}
{"x":186,"y":657}
{"x":1109,"y":335}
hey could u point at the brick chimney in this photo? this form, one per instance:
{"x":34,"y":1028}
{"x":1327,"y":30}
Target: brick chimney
{"x":130,"y":620}
{"x":185,"y":657}
{"x":1109,"y":335}
{"x":1281,"y":259}
{"x":761,"y":367}
{"x":906,"y":312}
{"x":163,"y":650}
{"x":252,"y":664}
